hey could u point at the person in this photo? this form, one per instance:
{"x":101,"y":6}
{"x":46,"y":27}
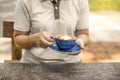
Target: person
{"x":38,"y":21}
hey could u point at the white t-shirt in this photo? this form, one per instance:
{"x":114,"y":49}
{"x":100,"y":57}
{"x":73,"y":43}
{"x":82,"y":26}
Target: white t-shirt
{"x":38,"y":15}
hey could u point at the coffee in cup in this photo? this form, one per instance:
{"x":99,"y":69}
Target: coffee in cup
{"x":65,"y":37}
{"x":65,"y":41}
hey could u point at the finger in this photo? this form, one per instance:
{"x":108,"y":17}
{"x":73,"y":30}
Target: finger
{"x":80,"y":43}
{"x":75,"y":53}
{"x":47,"y":36}
{"x":42,"y":45}
{"x":38,"y":43}
{"x":45,"y":42}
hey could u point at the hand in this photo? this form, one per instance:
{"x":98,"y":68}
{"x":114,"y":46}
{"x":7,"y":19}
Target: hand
{"x":80,"y":42}
{"x":43,"y":39}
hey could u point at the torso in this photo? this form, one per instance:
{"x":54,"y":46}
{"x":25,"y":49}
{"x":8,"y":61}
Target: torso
{"x":43,"y":19}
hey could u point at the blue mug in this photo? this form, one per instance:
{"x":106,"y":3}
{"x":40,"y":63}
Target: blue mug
{"x":65,"y":44}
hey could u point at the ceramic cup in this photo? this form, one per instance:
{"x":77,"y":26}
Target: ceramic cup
{"x":65,"y":42}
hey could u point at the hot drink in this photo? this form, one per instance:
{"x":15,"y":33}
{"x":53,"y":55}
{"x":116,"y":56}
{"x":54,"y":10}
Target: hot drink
{"x":65,"y":41}
{"x":65,"y":37}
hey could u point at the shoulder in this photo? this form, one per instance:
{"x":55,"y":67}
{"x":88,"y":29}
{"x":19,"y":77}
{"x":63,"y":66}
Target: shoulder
{"x":79,"y":4}
{"x":82,"y":2}
{"x":26,"y":2}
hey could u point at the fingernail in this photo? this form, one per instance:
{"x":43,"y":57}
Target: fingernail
{"x":82,"y":48}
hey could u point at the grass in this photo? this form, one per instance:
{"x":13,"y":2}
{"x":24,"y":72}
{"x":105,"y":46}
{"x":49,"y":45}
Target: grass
{"x":104,"y":5}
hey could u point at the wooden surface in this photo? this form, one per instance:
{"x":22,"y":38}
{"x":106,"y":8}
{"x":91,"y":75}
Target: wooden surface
{"x":8,"y":32}
{"x":8,"y":28}
{"x":76,"y":71}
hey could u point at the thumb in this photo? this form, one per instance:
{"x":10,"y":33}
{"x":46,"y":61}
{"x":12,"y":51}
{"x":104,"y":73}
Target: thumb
{"x":80,"y":42}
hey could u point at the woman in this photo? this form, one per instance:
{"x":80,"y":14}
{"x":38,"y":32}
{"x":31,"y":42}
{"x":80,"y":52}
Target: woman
{"x":38,"y":21}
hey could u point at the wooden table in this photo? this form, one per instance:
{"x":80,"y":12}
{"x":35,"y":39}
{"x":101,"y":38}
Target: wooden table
{"x":54,"y":71}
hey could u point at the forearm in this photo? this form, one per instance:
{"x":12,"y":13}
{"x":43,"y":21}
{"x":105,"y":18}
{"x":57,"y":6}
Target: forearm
{"x":24,"y":41}
{"x":83,"y":35}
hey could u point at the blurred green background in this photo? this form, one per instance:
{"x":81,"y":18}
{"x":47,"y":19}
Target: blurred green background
{"x":96,"y":5}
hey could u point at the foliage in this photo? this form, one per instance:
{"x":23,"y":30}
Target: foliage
{"x":104,"y":5}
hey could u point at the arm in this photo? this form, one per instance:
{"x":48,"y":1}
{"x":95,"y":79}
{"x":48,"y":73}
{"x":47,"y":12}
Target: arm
{"x":82,"y":37}
{"x":82,"y":29}
{"x":23,"y":40}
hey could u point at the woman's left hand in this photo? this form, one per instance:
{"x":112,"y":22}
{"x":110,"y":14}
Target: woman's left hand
{"x":80,"y":42}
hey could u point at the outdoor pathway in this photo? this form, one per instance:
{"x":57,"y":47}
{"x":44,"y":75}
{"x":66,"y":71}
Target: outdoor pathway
{"x":104,"y":45}
{"x":105,"y":26}
{"x":101,"y":52}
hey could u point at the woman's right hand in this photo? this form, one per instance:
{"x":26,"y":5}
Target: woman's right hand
{"x":42,"y":39}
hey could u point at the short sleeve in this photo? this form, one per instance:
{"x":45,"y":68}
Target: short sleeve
{"x":22,"y":17}
{"x":83,"y":22}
